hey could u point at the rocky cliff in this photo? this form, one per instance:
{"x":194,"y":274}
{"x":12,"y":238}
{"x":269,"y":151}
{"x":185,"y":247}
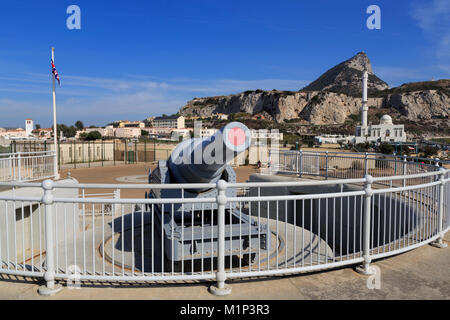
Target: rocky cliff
{"x":328,"y":104}
{"x":319,"y":107}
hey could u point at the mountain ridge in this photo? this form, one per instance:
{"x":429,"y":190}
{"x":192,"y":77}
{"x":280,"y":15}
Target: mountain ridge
{"x":413,"y":102}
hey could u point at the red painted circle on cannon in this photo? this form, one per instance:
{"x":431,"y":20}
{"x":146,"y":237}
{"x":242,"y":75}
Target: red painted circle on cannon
{"x":236,"y":136}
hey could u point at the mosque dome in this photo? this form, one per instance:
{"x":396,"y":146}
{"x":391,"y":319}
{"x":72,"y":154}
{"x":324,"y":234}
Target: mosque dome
{"x":386,"y":119}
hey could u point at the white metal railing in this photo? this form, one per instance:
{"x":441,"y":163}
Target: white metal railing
{"x":346,"y":165}
{"x":257,"y":232}
{"x":27,"y":166}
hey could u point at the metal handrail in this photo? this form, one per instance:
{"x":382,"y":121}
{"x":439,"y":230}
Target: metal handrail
{"x":422,"y":211}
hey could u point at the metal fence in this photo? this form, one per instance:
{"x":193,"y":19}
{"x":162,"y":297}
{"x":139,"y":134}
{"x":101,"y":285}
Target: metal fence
{"x":73,"y":154}
{"x":337,"y":222}
{"x":26,"y":166}
{"x":346,"y":165}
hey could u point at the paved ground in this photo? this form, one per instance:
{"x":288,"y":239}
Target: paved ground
{"x":110,"y":174}
{"x":423,"y":273}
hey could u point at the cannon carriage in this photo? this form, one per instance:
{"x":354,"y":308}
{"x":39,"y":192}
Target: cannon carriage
{"x":189,"y":230}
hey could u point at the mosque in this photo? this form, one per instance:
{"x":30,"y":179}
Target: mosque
{"x":385,"y":131}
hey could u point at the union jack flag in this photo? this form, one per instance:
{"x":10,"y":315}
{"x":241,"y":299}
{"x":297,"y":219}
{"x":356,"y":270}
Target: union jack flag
{"x":55,"y":73}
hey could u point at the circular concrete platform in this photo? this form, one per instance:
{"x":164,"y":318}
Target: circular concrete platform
{"x":294,"y":246}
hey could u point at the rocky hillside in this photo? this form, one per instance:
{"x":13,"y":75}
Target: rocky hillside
{"x":320,"y":107}
{"x":409,"y":102}
{"x":316,"y":107}
{"x":346,"y":77}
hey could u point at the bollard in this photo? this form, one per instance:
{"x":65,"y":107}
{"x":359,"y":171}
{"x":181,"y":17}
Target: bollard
{"x":439,"y":243}
{"x":50,"y":288}
{"x":221,"y":289}
{"x":365,"y":268}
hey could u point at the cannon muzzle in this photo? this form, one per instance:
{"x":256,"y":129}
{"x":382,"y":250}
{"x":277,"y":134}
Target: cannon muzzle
{"x":203,"y":160}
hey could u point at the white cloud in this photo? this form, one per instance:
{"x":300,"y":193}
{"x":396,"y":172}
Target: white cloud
{"x":96,"y":100}
{"x":430,"y":15}
{"x":434,"y":18}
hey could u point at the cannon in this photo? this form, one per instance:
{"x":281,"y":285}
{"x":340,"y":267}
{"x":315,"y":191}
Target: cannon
{"x":189,"y":230}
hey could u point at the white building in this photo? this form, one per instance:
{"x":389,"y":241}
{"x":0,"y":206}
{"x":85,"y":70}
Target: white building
{"x":205,"y":132}
{"x":29,"y":127}
{"x":127,"y":132}
{"x":169,"y":122}
{"x":265,"y":134}
{"x":386,"y":131}
{"x":181,"y":133}
{"x":333,"y":139}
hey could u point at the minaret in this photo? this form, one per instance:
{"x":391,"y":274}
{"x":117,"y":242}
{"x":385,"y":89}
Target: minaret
{"x":364,"y":107}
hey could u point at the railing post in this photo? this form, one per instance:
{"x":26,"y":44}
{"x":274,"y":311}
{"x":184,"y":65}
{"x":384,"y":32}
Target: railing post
{"x":439,"y":243}
{"x":326,"y":165}
{"x":366,"y":167}
{"x":438,"y":167}
{"x":300,"y":166}
{"x":50,"y":288}
{"x":221,"y":289}
{"x":13,"y":171}
{"x":365,"y":268}
{"x":318,"y":163}
{"x":116,"y":195}
{"x":404,"y":170}
{"x":19,"y":163}
{"x":395,"y":164}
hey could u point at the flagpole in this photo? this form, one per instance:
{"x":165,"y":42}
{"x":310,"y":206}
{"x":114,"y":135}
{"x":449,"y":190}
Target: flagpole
{"x":55,"y":135}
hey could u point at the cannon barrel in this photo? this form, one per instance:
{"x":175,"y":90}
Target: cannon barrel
{"x":203,"y":160}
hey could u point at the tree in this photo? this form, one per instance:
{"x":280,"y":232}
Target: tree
{"x":386,"y":148}
{"x":429,"y":151}
{"x":66,"y":131}
{"x":38,"y":126}
{"x":144,"y":133}
{"x":79,"y":125}
{"x":83,"y":136}
{"x":93,"y":135}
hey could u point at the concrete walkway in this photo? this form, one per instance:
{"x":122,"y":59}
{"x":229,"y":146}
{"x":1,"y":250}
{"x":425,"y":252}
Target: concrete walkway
{"x":423,"y":273}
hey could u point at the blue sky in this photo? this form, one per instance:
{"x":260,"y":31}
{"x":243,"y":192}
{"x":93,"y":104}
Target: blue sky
{"x":133,"y":59}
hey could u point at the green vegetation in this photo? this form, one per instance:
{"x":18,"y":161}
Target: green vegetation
{"x":67,"y":131}
{"x":295,"y":120}
{"x":316,"y":99}
{"x":291,"y":139}
{"x":355,"y":118}
{"x":362,"y":147}
{"x":5,"y":149}
{"x":442,"y":140}
{"x":429,"y":151}
{"x":79,"y":125}
{"x":443,"y":85}
{"x":386,"y":148}
{"x":93,"y":135}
